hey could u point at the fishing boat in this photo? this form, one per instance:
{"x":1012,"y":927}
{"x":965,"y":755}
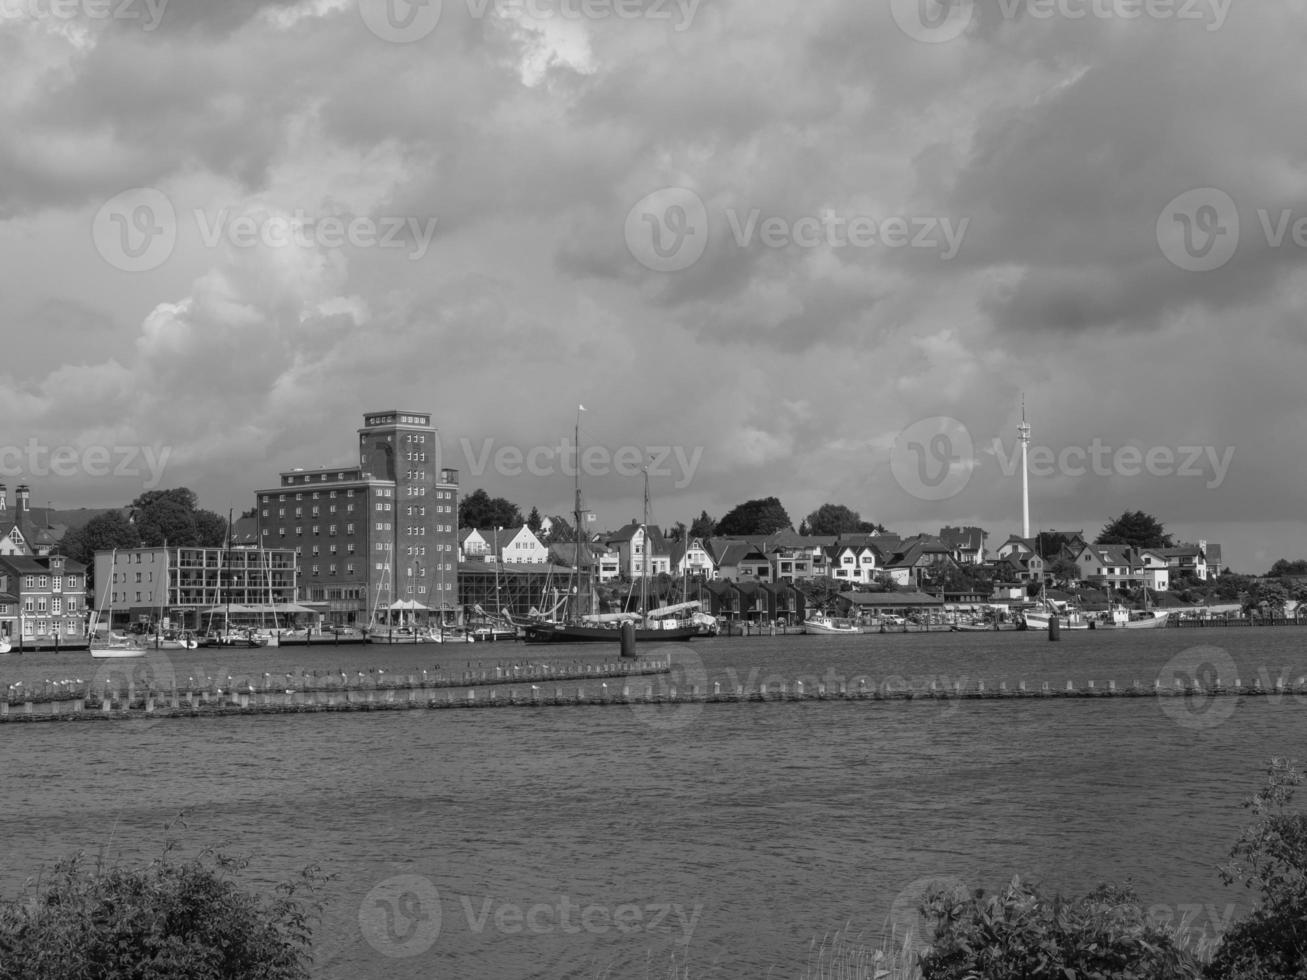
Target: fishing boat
{"x":822,"y":624}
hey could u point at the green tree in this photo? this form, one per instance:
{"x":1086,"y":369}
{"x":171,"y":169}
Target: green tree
{"x":1270,"y":857}
{"x":173,"y":516}
{"x":1064,"y":570}
{"x":211,"y":529}
{"x":762,"y":516}
{"x":1267,"y":598}
{"x":479,"y":509}
{"x":703,"y":526}
{"x":168,"y":920}
{"x":560,"y":531}
{"x":533,"y":521}
{"x":101,"y":533}
{"x":1137,"y":529}
{"x":832,"y":519}
{"x":1284,"y":567}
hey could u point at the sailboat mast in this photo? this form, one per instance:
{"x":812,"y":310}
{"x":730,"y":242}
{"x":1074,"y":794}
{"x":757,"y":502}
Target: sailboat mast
{"x":644,"y":535}
{"x":577,"y":559}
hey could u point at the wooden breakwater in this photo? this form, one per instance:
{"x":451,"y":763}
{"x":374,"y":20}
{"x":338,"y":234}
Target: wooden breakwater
{"x":633,"y":686}
{"x":116,"y":689}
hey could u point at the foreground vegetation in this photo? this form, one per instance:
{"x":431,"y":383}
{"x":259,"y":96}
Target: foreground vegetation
{"x":1107,"y":934}
{"x":168,"y":920}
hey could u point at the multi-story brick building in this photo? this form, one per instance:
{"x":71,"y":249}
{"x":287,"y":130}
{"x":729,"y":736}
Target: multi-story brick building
{"x":371,"y":535}
{"x":49,"y":596}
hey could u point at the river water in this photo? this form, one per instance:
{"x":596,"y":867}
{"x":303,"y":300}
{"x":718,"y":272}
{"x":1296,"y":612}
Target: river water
{"x":553,"y":842}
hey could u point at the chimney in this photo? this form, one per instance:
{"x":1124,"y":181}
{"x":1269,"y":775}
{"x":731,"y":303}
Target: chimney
{"x":21,"y":495}
{"x":4,"y":499}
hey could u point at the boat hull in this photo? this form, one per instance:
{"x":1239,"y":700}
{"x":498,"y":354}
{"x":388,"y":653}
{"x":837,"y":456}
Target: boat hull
{"x":825,"y":629}
{"x":125,"y":653}
{"x":565,"y":633}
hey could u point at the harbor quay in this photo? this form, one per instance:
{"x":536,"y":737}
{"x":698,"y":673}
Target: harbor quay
{"x":540,"y":685}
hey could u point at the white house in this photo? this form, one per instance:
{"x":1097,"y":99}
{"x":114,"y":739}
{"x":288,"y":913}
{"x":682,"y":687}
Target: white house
{"x":630,"y":543}
{"x":517,"y":546}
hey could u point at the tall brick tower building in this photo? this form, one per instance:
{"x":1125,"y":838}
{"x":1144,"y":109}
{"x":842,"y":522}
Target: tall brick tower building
{"x":372,"y":535}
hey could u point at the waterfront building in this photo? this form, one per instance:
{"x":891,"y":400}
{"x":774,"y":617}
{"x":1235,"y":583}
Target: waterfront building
{"x":376,"y":534}
{"x":186,"y":588}
{"x":966,"y":543}
{"x":630,"y":543}
{"x":22,"y":531}
{"x":691,"y":558}
{"x":512,"y":544}
{"x":48,"y":596}
{"x":920,"y":556}
{"x":603,"y":562}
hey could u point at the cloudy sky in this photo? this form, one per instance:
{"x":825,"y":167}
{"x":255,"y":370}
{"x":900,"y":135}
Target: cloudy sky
{"x":813,"y":249}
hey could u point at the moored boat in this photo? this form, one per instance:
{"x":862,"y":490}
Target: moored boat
{"x":822,"y":624}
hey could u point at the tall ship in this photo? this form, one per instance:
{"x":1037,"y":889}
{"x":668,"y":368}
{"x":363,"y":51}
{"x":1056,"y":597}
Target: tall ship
{"x":581,"y":621}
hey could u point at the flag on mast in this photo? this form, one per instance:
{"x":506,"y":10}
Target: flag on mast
{"x":580,"y":408}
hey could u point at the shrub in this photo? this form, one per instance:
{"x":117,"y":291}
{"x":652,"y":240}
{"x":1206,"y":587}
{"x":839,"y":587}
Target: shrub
{"x":1271,"y":857}
{"x":167,"y":920}
{"x":1019,"y":933}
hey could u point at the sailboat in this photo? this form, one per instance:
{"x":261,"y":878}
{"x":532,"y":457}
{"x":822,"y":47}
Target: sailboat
{"x":228,"y":636}
{"x":110,"y":647}
{"x":595,"y":627}
{"x":178,"y":641}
